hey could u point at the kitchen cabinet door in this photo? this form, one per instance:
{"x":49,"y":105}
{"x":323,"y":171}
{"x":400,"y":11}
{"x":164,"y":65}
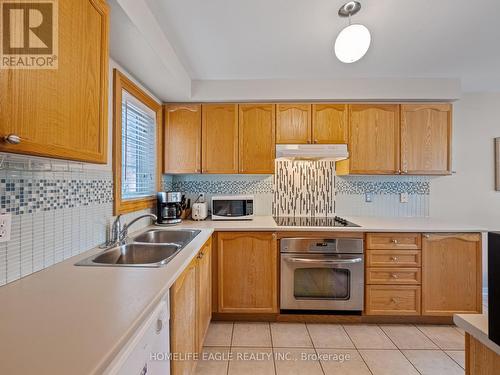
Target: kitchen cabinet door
{"x":219,"y":138}
{"x":257,"y":138}
{"x":62,"y":113}
{"x":182,"y":146}
{"x":293,"y":123}
{"x":374,"y":139}
{"x":329,"y":123}
{"x":247,"y":272}
{"x":426,"y":139}
{"x":451,"y":274}
{"x":183,"y":320}
{"x":204,"y":290}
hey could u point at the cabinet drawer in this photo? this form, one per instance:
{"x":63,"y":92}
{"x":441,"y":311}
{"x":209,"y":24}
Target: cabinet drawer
{"x":393,"y":276}
{"x":393,"y":258}
{"x":407,"y":241}
{"x":392,"y":300}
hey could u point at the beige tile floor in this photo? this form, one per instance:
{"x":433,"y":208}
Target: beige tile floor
{"x":323,"y":349}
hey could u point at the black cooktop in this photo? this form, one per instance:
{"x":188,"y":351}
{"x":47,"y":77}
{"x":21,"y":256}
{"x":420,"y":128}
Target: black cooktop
{"x":290,"y":221}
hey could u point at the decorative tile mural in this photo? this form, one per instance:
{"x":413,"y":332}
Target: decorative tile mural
{"x":304,"y":188}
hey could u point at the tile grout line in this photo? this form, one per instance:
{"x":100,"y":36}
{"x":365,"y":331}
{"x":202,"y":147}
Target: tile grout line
{"x":230,"y":348}
{"x":435,"y":343}
{"x":272,"y":348}
{"x":315,"y":349}
{"x":357,"y":350}
{"x":397,"y":347}
{"x":453,"y":359}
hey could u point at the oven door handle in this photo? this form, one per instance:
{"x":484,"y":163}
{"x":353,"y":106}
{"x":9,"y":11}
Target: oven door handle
{"x":324,"y":261}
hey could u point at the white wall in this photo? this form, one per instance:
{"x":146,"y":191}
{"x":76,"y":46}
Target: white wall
{"x":381,"y":89}
{"x":470,"y":194}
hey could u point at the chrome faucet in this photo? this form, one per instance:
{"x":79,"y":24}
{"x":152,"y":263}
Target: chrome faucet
{"x":119,"y":232}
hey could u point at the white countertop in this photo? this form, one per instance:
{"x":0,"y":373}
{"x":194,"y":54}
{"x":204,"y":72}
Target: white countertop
{"x":367,"y":224}
{"x":476,"y":325}
{"x":74,"y":320}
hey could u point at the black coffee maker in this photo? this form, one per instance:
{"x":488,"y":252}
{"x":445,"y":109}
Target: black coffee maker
{"x":168,"y":206}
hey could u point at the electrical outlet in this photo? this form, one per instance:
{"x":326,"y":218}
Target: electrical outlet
{"x":368,"y":197}
{"x":5,"y":224}
{"x":404,"y":197}
{"x":201,"y":197}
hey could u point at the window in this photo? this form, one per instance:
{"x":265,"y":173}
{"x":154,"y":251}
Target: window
{"x":137,"y":136}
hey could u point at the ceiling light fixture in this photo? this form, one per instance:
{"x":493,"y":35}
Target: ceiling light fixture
{"x":354,"y":40}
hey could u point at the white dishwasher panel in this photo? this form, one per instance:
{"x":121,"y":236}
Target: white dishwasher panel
{"x":152,"y":340}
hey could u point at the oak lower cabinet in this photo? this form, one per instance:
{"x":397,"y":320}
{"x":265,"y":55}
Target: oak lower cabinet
{"x":204,"y":292}
{"x":426,"y":139}
{"x":257,"y":125}
{"x":62,"y":113}
{"x":451,"y":274}
{"x":247,"y":272}
{"x":392,"y":300}
{"x":183,"y":318}
{"x":191,"y":311}
{"x":182,"y":138}
{"x":393,"y":274}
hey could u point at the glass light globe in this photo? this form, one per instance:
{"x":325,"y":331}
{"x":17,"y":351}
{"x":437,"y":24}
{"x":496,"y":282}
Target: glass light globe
{"x":352,"y":43}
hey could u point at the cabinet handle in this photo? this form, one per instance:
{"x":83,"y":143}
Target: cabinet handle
{"x":394,"y":276}
{"x":315,"y":141}
{"x":12,"y":139}
{"x":395,"y":242}
{"x":427,"y":236}
{"x":394,"y":300}
{"x":394,"y":259}
{"x":200,"y":255}
{"x":308,"y":142}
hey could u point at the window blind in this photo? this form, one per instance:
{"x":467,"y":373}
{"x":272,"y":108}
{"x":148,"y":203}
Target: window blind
{"x":138,"y":149}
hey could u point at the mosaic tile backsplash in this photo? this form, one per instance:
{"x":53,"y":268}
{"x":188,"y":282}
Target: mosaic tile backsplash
{"x":292,"y":191}
{"x":58,"y":211}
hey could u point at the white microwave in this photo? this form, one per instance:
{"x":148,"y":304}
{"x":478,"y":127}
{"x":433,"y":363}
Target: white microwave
{"x":232,"y":207}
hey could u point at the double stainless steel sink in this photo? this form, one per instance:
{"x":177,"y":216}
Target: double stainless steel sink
{"x":153,"y":248}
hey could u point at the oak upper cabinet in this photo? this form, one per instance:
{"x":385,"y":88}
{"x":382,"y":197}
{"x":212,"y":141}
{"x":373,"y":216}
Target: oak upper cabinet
{"x":374,"y":139}
{"x":62,"y":113}
{"x":426,"y":139}
{"x":257,"y":138}
{"x":293,"y":123}
{"x":451,"y":274}
{"x":182,"y":146}
{"x":204,"y":292}
{"x":247,"y":272}
{"x":219,"y":138}
{"x":329,"y":123}
{"x":183,"y":320}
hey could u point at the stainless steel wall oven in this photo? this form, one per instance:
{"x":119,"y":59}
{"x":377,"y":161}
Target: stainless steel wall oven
{"x":322,"y":274}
